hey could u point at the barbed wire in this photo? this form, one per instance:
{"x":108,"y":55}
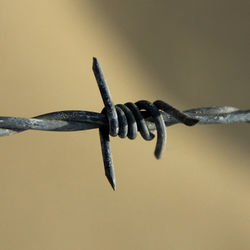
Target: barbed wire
{"x":125,"y":120}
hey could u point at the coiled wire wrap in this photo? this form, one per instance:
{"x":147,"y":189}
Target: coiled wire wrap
{"x":131,"y":121}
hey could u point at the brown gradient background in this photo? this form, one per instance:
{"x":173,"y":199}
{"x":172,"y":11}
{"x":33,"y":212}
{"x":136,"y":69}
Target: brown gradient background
{"x":53,"y":192}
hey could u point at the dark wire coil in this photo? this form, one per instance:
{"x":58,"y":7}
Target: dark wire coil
{"x":130,"y":121}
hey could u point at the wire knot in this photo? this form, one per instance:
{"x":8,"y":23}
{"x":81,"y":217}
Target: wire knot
{"x":125,"y":120}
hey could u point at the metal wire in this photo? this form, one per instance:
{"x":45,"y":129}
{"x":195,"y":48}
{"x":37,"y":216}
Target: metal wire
{"x":124,"y":120}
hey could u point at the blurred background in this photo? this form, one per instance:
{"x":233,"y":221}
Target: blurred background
{"x":52,"y":187}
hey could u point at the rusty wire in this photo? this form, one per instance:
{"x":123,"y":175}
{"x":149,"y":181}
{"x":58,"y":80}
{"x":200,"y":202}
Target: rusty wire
{"x":125,"y":120}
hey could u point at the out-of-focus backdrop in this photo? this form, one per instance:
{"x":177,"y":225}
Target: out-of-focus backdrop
{"x":53,"y":193}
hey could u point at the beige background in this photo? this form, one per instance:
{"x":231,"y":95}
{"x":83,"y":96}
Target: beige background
{"x":53,"y":191}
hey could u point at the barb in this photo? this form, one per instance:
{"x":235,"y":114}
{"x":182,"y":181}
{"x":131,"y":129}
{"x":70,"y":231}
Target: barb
{"x":124,"y":120}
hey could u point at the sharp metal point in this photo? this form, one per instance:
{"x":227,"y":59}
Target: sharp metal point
{"x":111,"y":180}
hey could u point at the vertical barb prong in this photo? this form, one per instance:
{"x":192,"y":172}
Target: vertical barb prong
{"x":106,"y":97}
{"x":107,"y":157}
{"x":113,"y":124}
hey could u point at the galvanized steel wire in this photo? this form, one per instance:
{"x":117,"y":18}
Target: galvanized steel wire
{"x":124,"y":120}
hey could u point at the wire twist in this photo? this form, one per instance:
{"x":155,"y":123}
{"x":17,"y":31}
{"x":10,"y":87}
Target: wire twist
{"x":126,"y":120}
{"x":123,"y":120}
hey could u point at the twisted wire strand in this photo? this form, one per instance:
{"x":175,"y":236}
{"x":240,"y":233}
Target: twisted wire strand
{"x":124,"y":120}
{"x":76,"y":120}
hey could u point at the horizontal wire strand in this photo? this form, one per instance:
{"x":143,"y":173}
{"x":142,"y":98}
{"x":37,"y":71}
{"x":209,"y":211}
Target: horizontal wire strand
{"x":75,"y":120}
